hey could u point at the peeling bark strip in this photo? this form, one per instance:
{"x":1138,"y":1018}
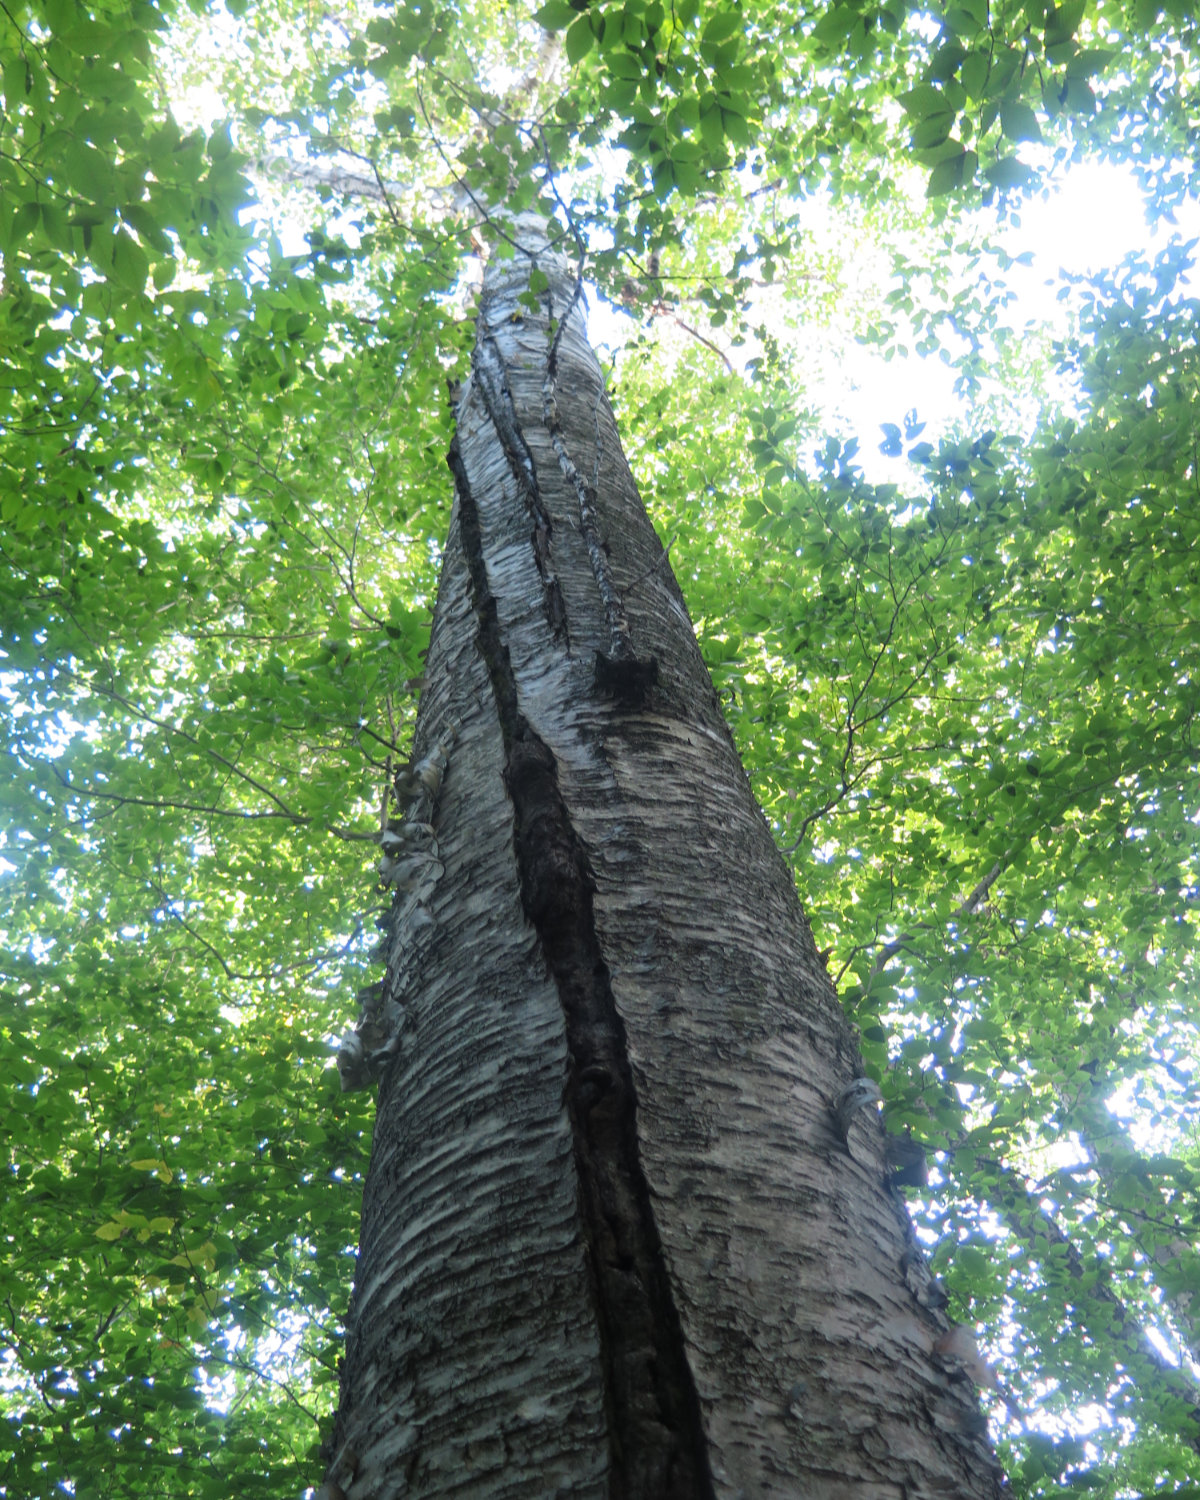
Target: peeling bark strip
{"x":657,"y":1444}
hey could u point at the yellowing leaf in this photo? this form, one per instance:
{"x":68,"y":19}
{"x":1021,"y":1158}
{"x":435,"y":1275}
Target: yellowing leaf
{"x":152,"y":1164}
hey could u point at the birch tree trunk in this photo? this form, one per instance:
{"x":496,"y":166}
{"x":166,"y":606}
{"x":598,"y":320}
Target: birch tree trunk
{"x":613,"y":1243}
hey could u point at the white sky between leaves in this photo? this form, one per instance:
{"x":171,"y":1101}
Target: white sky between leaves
{"x":1087,"y":223}
{"x":1091,"y":220}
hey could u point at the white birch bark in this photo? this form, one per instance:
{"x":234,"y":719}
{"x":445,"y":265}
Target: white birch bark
{"x":613,"y":1243}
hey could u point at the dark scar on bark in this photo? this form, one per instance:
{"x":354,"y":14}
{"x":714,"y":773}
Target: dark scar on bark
{"x":627,"y":679}
{"x":656,"y":1437}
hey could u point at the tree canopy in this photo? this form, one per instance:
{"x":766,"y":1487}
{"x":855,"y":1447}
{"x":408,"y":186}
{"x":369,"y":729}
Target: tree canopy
{"x":239,"y":248}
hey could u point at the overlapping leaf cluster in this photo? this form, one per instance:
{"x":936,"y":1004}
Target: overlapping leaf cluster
{"x":966,"y":701}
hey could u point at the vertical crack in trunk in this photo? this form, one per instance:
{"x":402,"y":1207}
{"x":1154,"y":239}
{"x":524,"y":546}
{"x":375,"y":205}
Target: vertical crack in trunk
{"x":657,"y":1444}
{"x":488,"y":366}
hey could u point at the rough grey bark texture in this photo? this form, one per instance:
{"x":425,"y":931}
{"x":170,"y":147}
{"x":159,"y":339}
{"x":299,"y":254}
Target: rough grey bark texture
{"x":612,"y":1242}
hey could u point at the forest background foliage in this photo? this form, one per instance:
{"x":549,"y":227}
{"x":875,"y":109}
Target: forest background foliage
{"x":966,"y":697}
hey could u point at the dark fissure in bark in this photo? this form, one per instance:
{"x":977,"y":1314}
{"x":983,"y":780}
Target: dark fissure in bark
{"x":656,"y":1436}
{"x":497,"y":399}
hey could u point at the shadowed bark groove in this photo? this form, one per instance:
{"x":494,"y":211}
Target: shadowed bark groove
{"x":656,"y":1434}
{"x":497,"y":399}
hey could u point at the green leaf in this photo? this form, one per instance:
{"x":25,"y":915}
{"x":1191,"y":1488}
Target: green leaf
{"x":579,"y":39}
{"x":836,"y":24}
{"x":555,"y":15}
{"x":146,"y":226}
{"x":712,"y":131}
{"x":922,"y":101}
{"x":933,"y":130}
{"x":724,"y":24}
{"x":624,"y":64}
{"x":1009,"y":172}
{"x":971,"y":1261}
{"x":130,"y":265}
{"x":1090,"y":62}
{"x":26,"y":219}
{"x":1063,"y":22}
{"x":950,"y":175}
{"x":735,"y":125}
{"x":1018,"y":121}
{"x":974,"y":74}
{"x":56,"y":227}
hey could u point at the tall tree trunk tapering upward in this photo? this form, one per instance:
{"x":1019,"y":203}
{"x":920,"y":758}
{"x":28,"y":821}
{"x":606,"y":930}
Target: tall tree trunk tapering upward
{"x":613,"y":1240}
